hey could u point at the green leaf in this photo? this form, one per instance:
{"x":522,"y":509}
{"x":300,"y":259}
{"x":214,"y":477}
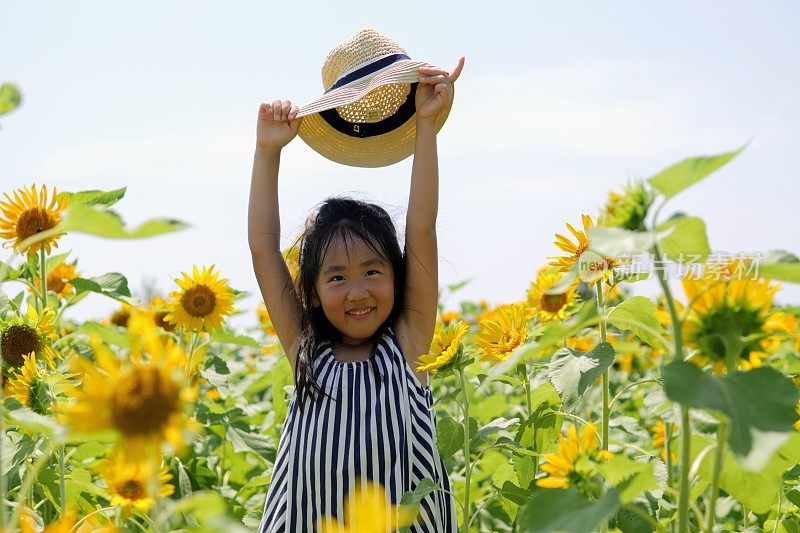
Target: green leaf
{"x":113,"y":284}
{"x":492,"y":427}
{"x":756,"y":490}
{"x":410,"y":501}
{"x":760,"y":404}
{"x":93,"y":197}
{"x":83,"y":218}
{"x":10,"y":98}
{"x":228,"y":337}
{"x":780,"y":265}
{"x":637,"y":314}
{"x":683,"y":174}
{"x":619,"y":242}
{"x":572,"y":372}
{"x":558,"y":331}
{"x":281,"y":377}
{"x":27,"y":418}
{"x":109,"y":334}
{"x":686,"y":242}
{"x":565,"y":511}
{"x":449,"y":436}
{"x":245,"y":441}
{"x":632,"y":478}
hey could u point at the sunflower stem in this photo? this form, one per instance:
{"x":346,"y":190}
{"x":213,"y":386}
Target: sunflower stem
{"x":43,"y":276}
{"x":603,"y":335}
{"x":467,"y":469}
{"x":686,"y":435}
{"x":719,"y":456}
{"x":27,"y":483}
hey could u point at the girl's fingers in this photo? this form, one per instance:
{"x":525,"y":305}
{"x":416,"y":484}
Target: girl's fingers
{"x":276,"y":110}
{"x":287,"y":106}
{"x":293,"y":112}
{"x":457,"y":71}
{"x":433,"y":80}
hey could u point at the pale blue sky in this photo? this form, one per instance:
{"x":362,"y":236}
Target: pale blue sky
{"x":558,"y":102}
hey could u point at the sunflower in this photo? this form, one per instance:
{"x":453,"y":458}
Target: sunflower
{"x":121,"y":316}
{"x":550,"y":307}
{"x":504,"y":331}
{"x":27,"y":386}
{"x":29,"y":213}
{"x":574,"y":250}
{"x":628,"y":209}
{"x":34,"y":332}
{"x":367,"y":510}
{"x":203,"y":301}
{"x":129,"y":483}
{"x":450,"y":316}
{"x":27,"y":522}
{"x":561,"y":466}
{"x":292,"y":257}
{"x":581,"y":344}
{"x":445,"y":345}
{"x":58,"y":280}
{"x":158,"y":306}
{"x":144,"y":400}
{"x":724,"y":308}
{"x":265,"y":320}
{"x":659,"y":431}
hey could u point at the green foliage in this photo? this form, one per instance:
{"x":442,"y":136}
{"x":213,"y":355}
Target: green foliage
{"x":565,"y":511}
{"x":760,"y":405}
{"x":689,"y":171}
{"x":572,"y":371}
{"x":684,"y":238}
{"x":10,"y":98}
{"x":637,"y":314}
{"x":93,"y":197}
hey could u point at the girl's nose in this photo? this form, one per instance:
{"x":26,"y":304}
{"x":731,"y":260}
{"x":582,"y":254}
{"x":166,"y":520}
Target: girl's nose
{"x":357,"y":292}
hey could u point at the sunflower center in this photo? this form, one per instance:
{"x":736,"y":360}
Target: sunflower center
{"x":199,"y":301}
{"x":144,"y":400}
{"x":33,"y":221}
{"x":120,"y":318}
{"x":158,"y":318}
{"x":18,"y":340}
{"x":55,"y":284}
{"x":728,"y":321}
{"x":132,"y":489}
{"x":553,"y":303}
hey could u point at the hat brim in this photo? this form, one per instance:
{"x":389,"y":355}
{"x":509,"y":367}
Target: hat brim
{"x":375,"y":151}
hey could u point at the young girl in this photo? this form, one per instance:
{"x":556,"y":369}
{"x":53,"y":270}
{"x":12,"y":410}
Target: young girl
{"x":352,"y":326}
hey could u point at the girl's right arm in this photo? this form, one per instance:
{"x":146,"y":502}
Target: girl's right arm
{"x":276,"y":127}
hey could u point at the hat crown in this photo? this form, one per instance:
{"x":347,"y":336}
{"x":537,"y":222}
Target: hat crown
{"x":362,"y":47}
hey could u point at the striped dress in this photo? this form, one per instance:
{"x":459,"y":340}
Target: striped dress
{"x":385,"y":434}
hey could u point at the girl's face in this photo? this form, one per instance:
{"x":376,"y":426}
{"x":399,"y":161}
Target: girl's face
{"x":355,"y":289}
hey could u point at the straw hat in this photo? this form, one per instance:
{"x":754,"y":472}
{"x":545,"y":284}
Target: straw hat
{"x":366,"y":117}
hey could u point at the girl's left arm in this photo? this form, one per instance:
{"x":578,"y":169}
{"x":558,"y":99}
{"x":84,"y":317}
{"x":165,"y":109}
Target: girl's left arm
{"x":418,"y":318}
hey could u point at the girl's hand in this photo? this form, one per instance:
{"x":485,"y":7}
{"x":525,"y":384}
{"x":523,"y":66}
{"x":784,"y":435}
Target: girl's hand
{"x":435,"y":90}
{"x":276,"y":124}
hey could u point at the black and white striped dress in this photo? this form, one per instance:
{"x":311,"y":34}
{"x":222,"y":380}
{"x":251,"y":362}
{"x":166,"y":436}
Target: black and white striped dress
{"x":385,"y":434}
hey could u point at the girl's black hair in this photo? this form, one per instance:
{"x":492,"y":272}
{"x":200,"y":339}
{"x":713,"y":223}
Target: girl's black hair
{"x":346,"y":219}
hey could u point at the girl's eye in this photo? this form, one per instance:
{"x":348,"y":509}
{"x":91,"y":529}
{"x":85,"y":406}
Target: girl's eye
{"x":375,"y":271}
{"x":333,"y":278}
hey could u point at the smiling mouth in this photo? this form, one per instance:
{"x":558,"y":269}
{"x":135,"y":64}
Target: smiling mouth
{"x":360,"y":312}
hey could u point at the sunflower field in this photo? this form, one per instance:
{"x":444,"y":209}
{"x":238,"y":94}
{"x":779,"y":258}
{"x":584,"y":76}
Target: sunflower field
{"x":580,"y":407}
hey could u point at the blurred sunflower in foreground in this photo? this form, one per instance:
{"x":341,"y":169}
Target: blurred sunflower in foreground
{"x":368,"y":510}
{"x":144,"y":400}
{"x":729,"y":313}
{"x":203,"y":301}
{"x":444,"y":346}
{"x":31,"y":211}
{"x":503,"y":331}
{"x":32,"y":332}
